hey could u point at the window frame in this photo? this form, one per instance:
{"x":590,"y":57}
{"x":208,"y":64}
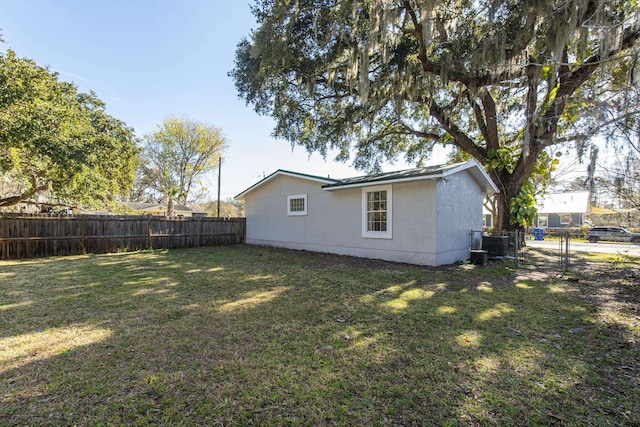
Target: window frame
{"x":543,"y":219}
{"x":297,"y":213}
{"x":565,"y":218}
{"x":370,"y":234}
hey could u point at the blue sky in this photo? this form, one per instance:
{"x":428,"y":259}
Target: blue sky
{"x":149,"y":60}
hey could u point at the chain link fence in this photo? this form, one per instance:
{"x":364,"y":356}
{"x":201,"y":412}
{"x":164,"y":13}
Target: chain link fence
{"x":512,"y":246}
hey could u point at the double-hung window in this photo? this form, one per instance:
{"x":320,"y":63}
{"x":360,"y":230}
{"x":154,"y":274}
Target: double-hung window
{"x":297,"y":205}
{"x":377,"y":212}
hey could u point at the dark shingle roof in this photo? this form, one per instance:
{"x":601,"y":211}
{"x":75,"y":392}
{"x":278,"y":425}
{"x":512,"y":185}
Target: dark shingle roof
{"x":428,"y":172}
{"x":393,"y":176}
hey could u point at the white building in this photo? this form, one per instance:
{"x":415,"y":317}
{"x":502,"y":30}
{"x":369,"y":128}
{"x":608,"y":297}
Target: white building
{"x":419,"y":216}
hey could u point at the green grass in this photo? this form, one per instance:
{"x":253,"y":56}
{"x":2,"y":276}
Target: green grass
{"x":246,"y":335}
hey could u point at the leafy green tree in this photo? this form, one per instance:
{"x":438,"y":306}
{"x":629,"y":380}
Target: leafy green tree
{"x":228,"y":208}
{"x":502,"y":81}
{"x":175,"y":158}
{"x":57,"y":142}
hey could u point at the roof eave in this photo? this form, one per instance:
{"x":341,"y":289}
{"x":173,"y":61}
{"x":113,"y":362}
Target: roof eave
{"x":478,"y":173}
{"x":381,"y":182}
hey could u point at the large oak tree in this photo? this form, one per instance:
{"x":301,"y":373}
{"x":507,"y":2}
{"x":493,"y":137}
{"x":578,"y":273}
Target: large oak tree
{"x":499,"y":81}
{"x":59,"y":145}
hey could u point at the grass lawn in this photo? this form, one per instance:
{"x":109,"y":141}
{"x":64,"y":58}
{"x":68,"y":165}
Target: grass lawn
{"x":247,"y":335}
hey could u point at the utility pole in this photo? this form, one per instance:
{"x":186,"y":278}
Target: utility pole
{"x":219,"y":175}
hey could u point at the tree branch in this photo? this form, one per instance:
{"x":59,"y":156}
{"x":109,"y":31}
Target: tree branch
{"x":491,"y":120}
{"x":477,"y":111}
{"x":14,"y":200}
{"x":461,"y":139}
{"x":570,"y":81}
{"x":478,"y":80}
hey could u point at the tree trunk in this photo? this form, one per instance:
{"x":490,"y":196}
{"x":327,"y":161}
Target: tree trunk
{"x":503,"y":217}
{"x":171,"y":211}
{"x":509,"y":185}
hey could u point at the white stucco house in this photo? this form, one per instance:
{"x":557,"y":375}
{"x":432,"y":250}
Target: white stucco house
{"x":420,"y":216}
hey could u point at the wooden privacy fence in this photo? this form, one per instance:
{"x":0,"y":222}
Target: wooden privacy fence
{"x":23,"y":236}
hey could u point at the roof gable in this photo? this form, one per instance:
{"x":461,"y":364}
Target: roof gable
{"x":282,"y":172}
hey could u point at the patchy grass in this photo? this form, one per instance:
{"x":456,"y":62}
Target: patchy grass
{"x":247,"y":335}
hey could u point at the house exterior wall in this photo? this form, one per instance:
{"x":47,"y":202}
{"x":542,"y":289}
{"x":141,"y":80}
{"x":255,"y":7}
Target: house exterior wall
{"x":459,"y":210}
{"x":333,"y":222}
{"x":554,"y":220}
{"x":330,"y":223}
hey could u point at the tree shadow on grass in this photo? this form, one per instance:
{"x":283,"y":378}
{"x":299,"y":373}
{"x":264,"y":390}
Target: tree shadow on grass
{"x":254,"y":335}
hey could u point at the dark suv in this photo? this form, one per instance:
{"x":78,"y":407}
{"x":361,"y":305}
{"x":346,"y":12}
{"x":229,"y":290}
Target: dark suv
{"x":615,"y":234}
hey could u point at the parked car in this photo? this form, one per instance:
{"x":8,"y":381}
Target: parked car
{"x":615,"y":234}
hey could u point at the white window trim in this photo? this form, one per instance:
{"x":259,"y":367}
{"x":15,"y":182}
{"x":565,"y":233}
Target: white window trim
{"x":543,"y":218}
{"x":297,"y":213}
{"x":565,"y":215}
{"x":378,"y":234}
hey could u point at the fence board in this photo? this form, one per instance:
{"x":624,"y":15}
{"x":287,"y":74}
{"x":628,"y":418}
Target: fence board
{"x":32,"y":236}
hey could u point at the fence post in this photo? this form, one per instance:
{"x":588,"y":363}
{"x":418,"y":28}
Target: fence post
{"x":567,"y":252}
{"x":149,"y":232}
{"x":83,"y":225}
{"x":198,"y":233}
{"x":517,"y":242}
{"x":564,"y":251}
{"x":3,"y":243}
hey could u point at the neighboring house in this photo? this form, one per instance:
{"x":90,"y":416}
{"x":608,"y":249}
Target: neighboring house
{"x":419,"y":216}
{"x":160,"y":209}
{"x":560,"y":210}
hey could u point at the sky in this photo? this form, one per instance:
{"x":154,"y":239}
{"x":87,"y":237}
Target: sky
{"x":149,"y":60}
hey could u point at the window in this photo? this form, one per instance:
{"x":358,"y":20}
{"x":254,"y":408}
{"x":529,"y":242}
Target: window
{"x":565,"y":218}
{"x":297,"y":205}
{"x":543,"y":220}
{"x":376,"y":212}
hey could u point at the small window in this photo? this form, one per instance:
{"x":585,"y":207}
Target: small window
{"x":565,"y":218}
{"x":376,"y":212}
{"x":543,"y":220}
{"x":297,"y":205}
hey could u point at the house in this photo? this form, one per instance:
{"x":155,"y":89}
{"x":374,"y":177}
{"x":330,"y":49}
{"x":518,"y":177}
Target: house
{"x":160,"y":209}
{"x":419,"y":216}
{"x":561,"y":210}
